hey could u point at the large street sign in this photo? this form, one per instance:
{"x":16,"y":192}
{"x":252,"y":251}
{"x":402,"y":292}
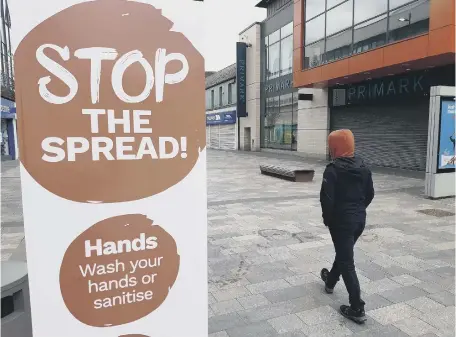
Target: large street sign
{"x":111,"y":118}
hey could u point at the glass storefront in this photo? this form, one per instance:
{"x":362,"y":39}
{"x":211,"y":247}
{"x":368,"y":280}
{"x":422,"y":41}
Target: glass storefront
{"x":279,"y":52}
{"x":279,"y":116}
{"x":281,"y":122}
{"x":336,"y":29}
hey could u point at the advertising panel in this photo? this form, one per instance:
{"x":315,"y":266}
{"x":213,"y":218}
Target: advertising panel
{"x":447,"y":135}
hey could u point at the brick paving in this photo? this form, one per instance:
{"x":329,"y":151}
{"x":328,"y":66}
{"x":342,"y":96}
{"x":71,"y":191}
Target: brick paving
{"x":267,"y":244}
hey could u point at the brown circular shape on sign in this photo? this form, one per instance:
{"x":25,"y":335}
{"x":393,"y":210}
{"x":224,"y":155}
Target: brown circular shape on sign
{"x":124,"y":26}
{"x":118,"y":271}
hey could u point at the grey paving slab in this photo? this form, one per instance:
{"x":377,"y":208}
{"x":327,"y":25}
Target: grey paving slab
{"x":318,"y":315}
{"x":286,"y":323}
{"x":375,"y":301}
{"x":267,"y":245}
{"x":253,"y":330}
{"x":393,"y":313}
{"x":403,"y":294}
{"x":332,"y":328}
{"x":264,"y":287}
{"x":219,"y":334}
{"x":425,"y":304}
{"x":414,"y":326}
{"x":384,"y":331}
{"x":223,"y":322}
{"x":225,"y":307}
{"x":443,"y":297}
{"x":253,"y":301}
{"x":293,"y":334}
{"x":286,"y":294}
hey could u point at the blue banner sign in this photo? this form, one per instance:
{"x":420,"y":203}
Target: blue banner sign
{"x":8,"y":108}
{"x":221,"y":118}
{"x":447,"y":138}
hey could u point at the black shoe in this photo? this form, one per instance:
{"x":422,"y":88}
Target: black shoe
{"x":357,"y":316}
{"x":324,"y":276}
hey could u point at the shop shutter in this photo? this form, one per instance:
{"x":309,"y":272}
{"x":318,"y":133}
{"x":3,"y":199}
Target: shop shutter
{"x":387,"y":135}
{"x":227,"y":137}
{"x":214,"y":142}
{"x":208,"y":136}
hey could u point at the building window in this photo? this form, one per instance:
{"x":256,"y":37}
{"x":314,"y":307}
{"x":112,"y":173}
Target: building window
{"x":279,"y":52}
{"x":339,"y":18}
{"x":314,"y":54}
{"x":220,"y":96}
{"x":286,"y":49}
{"x":338,"y":46}
{"x":409,"y":20}
{"x":315,"y":29}
{"x":274,"y":60}
{"x":365,"y":10}
{"x":230,"y":93}
{"x":212,"y":99}
{"x":335,"y":29}
{"x":370,"y":34}
{"x":314,"y":8}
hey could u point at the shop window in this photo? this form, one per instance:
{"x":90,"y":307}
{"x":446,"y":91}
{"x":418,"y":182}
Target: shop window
{"x":313,"y":54}
{"x":274,"y":37}
{"x":331,"y":3}
{"x":338,"y":46}
{"x":274,"y":60}
{"x":397,"y":3}
{"x":286,"y":55}
{"x":371,"y":34}
{"x":212,"y":99}
{"x":271,"y":118}
{"x":408,"y":21}
{"x":230,"y":93}
{"x":266,"y":58}
{"x":369,"y":22}
{"x":339,"y":18}
{"x":315,"y":30}
{"x":286,"y":30}
{"x":280,"y":122}
{"x":314,"y":7}
{"x":367,"y":9}
{"x":220,"y":96}
{"x":279,"y":52}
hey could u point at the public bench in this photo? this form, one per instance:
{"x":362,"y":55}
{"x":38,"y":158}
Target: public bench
{"x":291,"y":174}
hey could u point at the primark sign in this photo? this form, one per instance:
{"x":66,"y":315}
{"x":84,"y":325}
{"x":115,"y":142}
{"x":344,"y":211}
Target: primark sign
{"x":279,"y":85}
{"x":383,"y":89}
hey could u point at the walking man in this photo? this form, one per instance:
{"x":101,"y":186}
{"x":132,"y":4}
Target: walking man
{"x":346,"y":192}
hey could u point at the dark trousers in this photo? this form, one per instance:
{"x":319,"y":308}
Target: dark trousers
{"x":344,"y":241}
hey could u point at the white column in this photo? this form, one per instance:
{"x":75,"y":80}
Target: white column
{"x":313,"y":123}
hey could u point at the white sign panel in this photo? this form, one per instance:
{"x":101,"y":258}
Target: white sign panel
{"x":111,"y":119}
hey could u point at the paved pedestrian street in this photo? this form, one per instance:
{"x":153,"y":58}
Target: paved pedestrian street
{"x":267,"y":245}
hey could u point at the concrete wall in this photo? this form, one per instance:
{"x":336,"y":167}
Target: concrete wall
{"x":313,"y":123}
{"x":252,"y":35}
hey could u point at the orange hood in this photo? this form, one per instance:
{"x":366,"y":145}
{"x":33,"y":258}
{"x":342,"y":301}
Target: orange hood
{"x":341,"y":144}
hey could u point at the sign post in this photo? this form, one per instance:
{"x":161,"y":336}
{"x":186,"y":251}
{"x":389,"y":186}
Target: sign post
{"x":111,"y":119}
